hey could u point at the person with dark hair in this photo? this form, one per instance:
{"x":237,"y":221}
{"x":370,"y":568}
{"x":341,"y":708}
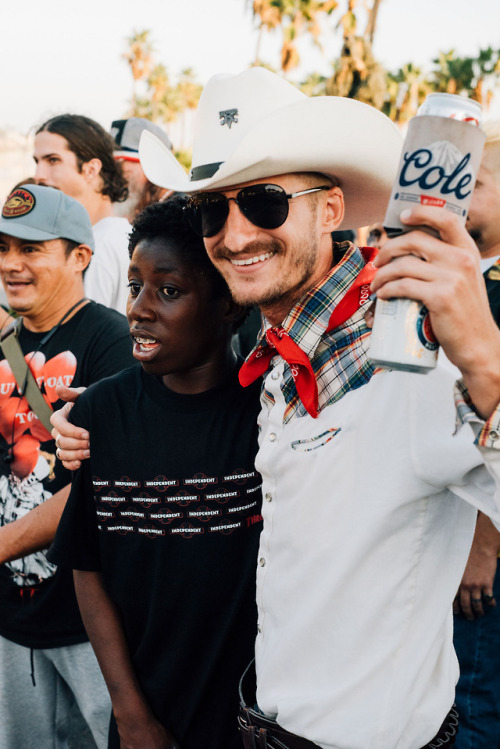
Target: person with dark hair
{"x":476,"y":626}
{"x":163,"y":541}
{"x":46,"y":662}
{"x":75,"y":154}
{"x":141,"y":192}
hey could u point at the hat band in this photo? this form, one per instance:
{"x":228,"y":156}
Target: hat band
{"x":204,"y":171}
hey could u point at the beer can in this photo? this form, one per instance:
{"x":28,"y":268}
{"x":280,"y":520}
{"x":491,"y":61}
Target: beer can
{"x":438,"y":167}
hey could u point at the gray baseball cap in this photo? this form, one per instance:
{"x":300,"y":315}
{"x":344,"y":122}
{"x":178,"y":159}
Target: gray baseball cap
{"x":127,"y":134}
{"x":38,"y":213}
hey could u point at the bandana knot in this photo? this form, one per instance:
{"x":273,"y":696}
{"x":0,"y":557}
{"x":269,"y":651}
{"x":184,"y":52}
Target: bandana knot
{"x":277,"y":340}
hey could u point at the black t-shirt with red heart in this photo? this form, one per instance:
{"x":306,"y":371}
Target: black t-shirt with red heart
{"x":37,"y":602}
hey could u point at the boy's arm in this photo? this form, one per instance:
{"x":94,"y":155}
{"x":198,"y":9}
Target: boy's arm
{"x":137,"y":726}
{"x":35,"y":530}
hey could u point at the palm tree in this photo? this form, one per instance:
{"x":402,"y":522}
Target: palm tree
{"x":139,"y":56}
{"x":268,"y":16}
{"x":294,"y":17}
{"x":357,"y":74}
{"x":158,"y":86}
{"x":406,"y":91}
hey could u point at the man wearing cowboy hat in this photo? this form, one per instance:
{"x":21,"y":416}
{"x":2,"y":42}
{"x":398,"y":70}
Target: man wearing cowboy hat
{"x":368,"y":497}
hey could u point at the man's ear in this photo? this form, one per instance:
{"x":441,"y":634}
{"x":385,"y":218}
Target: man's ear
{"x":333,"y":213}
{"x":81,"y":257}
{"x":91,"y":169}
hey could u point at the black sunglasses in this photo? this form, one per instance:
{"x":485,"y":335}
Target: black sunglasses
{"x":265,"y":206}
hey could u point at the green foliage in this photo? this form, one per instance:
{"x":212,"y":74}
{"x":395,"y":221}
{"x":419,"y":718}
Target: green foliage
{"x":355,"y":74}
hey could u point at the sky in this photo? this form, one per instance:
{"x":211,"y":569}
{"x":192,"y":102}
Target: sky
{"x":61,"y":56}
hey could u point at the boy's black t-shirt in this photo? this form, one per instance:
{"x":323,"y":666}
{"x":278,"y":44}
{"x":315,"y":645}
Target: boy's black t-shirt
{"x":38,"y":606}
{"x":168,"y":509}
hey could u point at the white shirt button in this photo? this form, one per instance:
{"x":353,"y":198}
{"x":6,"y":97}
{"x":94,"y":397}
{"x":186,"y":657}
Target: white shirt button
{"x":262,"y":562}
{"x":493,"y":435}
{"x":275,"y":375}
{"x":273,"y":437}
{"x":268,"y":497}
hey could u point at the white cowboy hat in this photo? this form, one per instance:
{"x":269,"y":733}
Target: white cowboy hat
{"x":256,"y":125}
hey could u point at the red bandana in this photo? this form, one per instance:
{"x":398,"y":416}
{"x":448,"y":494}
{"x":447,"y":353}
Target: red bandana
{"x":277,"y":340}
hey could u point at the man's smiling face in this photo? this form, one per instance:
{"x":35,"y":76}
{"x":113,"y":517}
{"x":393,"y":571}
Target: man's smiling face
{"x":273,"y":268}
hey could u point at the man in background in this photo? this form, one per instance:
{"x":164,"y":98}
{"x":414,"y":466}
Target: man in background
{"x":75,"y":154}
{"x":376,"y":236}
{"x":141,"y":192}
{"x":477,"y":620}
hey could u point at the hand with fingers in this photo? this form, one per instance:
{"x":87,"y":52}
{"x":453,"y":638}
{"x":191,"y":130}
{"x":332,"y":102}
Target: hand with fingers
{"x":72,"y":442}
{"x":475,"y":594}
{"x":444,"y":274}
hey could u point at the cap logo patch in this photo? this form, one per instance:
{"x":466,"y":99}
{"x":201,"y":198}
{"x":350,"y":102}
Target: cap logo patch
{"x":228,"y":117}
{"x":19,"y":203}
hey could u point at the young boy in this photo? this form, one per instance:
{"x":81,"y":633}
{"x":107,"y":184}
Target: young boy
{"x":162,"y":524}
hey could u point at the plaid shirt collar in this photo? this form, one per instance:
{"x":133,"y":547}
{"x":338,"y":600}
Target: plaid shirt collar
{"x":308,"y":321}
{"x":338,"y":357}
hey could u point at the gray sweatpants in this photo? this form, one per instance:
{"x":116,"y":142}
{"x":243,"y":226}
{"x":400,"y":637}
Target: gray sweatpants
{"x":37,"y":716}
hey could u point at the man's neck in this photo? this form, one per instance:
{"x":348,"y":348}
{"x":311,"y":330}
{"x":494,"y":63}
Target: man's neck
{"x":99,"y":206}
{"x":46,"y":319}
{"x":207,"y":376}
{"x":493,"y":250}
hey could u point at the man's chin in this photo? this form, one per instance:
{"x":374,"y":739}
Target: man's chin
{"x":249,"y":297}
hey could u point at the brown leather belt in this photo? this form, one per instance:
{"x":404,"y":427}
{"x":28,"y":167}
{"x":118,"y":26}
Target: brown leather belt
{"x":261,"y":732}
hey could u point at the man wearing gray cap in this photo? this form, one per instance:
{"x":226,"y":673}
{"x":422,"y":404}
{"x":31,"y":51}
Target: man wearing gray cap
{"x":46,"y":662}
{"x":141,"y":192}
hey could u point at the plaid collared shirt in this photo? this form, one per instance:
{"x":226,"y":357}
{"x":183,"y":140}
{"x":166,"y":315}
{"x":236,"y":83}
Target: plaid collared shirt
{"x":339,"y":358}
{"x":489,"y":430}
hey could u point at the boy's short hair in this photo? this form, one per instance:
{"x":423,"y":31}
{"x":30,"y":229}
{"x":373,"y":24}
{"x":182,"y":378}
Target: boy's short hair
{"x":167,"y":219}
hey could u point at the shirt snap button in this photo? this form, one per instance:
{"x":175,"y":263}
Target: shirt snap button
{"x":268,"y":496}
{"x":262,"y":562}
{"x":273,"y":437}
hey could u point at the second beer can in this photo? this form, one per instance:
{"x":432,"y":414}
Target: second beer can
{"x":438,"y":167}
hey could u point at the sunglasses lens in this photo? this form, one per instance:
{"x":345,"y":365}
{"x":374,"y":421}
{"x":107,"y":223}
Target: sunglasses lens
{"x":207,"y":213}
{"x":265,"y":206}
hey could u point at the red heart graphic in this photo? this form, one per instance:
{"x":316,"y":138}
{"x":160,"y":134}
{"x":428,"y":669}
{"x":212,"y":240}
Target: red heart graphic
{"x":59,"y":371}
{"x":26,"y":454}
{"x":14,"y":418}
{"x":7,"y":381}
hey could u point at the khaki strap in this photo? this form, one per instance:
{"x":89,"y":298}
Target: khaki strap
{"x":26,"y":383}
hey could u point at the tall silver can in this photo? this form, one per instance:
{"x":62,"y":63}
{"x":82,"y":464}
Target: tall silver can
{"x":438,"y":167}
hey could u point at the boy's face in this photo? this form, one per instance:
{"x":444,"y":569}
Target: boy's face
{"x":176,"y":324}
